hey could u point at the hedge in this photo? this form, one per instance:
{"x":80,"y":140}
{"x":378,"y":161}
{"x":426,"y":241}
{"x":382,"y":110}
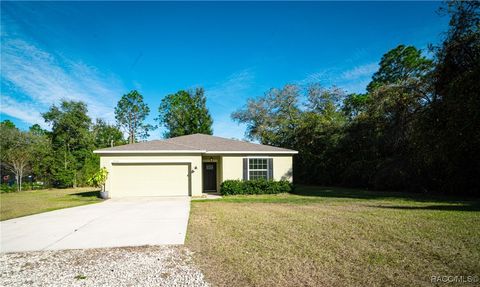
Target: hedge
{"x":257,"y":186}
{"x":5,"y":188}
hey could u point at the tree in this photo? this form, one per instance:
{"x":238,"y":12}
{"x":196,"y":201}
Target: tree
{"x":184,"y":113}
{"x":23,"y":152}
{"x":273,"y":118}
{"x":313,"y":127}
{"x":324,"y":101}
{"x":7,"y":140}
{"x":399,"y":65}
{"x":130,"y":114}
{"x":354,"y":104}
{"x":72,"y":142}
{"x":318,"y":134}
{"x":362,"y":140}
{"x":377,"y":144}
{"x":105,"y":135}
{"x":43,"y":155}
{"x":17,"y":151}
{"x":7,"y":124}
{"x":36,"y":129}
{"x":449,"y":134}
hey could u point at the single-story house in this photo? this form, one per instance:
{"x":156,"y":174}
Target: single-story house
{"x":189,"y":165}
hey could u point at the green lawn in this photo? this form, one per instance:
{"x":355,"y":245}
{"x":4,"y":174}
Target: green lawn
{"x":23,"y":203}
{"x":334,"y":237}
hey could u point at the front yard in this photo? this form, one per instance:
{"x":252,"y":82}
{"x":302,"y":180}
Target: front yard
{"x":316,"y":237}
{"x":23,"y":203}
{"x":334,"y":237}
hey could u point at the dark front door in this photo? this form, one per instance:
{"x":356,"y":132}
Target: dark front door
{"x":210,"y":176}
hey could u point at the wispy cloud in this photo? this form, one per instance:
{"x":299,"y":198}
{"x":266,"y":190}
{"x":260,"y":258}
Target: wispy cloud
{"x":316,"y":77}
{"x":353,"y":80}
{"x":24,"y":111}
{"x":226,"y":97}
{"x":357,"y":86}
{"x":360,"y":71}
{"x":234,"y":85}
{"x":39,"y":79}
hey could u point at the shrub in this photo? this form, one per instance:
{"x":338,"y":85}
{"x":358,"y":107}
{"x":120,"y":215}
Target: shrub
{"x":5,"y":188}
{"x":99,"y":179}
{"x":258,"y":186}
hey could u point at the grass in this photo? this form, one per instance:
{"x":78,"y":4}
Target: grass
{"x":334,"y":237}
{"x":23,"y":203}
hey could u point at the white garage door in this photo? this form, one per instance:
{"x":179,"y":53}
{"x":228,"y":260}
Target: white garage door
{"x":149,"y":180}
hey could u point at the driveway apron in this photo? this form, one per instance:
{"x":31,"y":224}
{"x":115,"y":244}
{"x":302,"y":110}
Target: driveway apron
{"x":113,"y":223}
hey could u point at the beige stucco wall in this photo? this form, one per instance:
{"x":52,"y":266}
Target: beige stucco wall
{"x":232,"y":166}
{"x":194,"y":160}
{"x":283,"y":168}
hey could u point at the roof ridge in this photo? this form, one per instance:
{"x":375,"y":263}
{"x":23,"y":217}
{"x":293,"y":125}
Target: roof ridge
{"x":179,"y":144}
{"x":222,"y":138}
{"x":242,"y":141}
{"x":214,"y":136}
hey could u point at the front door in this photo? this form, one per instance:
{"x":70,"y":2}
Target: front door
{"x":209,"y":176}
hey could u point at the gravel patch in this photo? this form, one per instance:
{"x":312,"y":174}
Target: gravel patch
{"x":129,"y":266}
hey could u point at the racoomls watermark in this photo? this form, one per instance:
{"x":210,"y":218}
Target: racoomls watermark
{"x":454,"y":279}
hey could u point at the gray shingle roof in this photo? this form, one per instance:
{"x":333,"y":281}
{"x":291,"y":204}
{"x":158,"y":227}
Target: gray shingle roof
{"x":197,"y":143}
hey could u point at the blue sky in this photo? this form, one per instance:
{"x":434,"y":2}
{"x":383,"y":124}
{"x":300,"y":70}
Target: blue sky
{"x":98,"y":51}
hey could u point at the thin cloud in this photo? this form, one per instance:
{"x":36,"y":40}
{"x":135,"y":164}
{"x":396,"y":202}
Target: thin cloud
{"x":232,"y":91}
{"x":23,"y":111}
{"x":316,"y":77}
{"x":353,"y":80}
{"x":357,"y":86}
{"x":360,"y":71}
{"x":45,"y":79}
{"x":235,"y":84}
{"x":226,"y":97}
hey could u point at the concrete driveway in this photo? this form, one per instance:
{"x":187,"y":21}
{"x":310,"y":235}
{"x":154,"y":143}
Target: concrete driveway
{"x":113,"y":223}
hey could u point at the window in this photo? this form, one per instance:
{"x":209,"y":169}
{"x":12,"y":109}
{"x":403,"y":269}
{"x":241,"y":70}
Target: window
{"x":257,"y":168}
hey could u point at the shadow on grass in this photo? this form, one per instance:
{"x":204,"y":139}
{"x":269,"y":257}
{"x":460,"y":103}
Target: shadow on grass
{"x":453,"y":207}
{"x":95,"y":193}
{"x":339,"y":192}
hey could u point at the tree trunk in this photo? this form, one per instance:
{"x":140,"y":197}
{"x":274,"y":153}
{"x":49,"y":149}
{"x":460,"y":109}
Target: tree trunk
{"x":20,"y":179}
{"x":17,"y":180}
{"x":65,"y":158}
{"x":134,"y":128}
{"x":131,"y":128}
{"x":74,"y":179}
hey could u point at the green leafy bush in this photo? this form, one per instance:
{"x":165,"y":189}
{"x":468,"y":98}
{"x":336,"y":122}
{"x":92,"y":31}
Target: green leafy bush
{"x":258,"y":186}
{"x":5,"y":188}
{"x":33,"y":185}
{"x":99,"y":179}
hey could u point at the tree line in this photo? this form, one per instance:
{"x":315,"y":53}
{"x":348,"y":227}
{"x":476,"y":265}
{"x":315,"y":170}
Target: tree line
{"x":63,"y":156}
{"x":417,"y":127}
